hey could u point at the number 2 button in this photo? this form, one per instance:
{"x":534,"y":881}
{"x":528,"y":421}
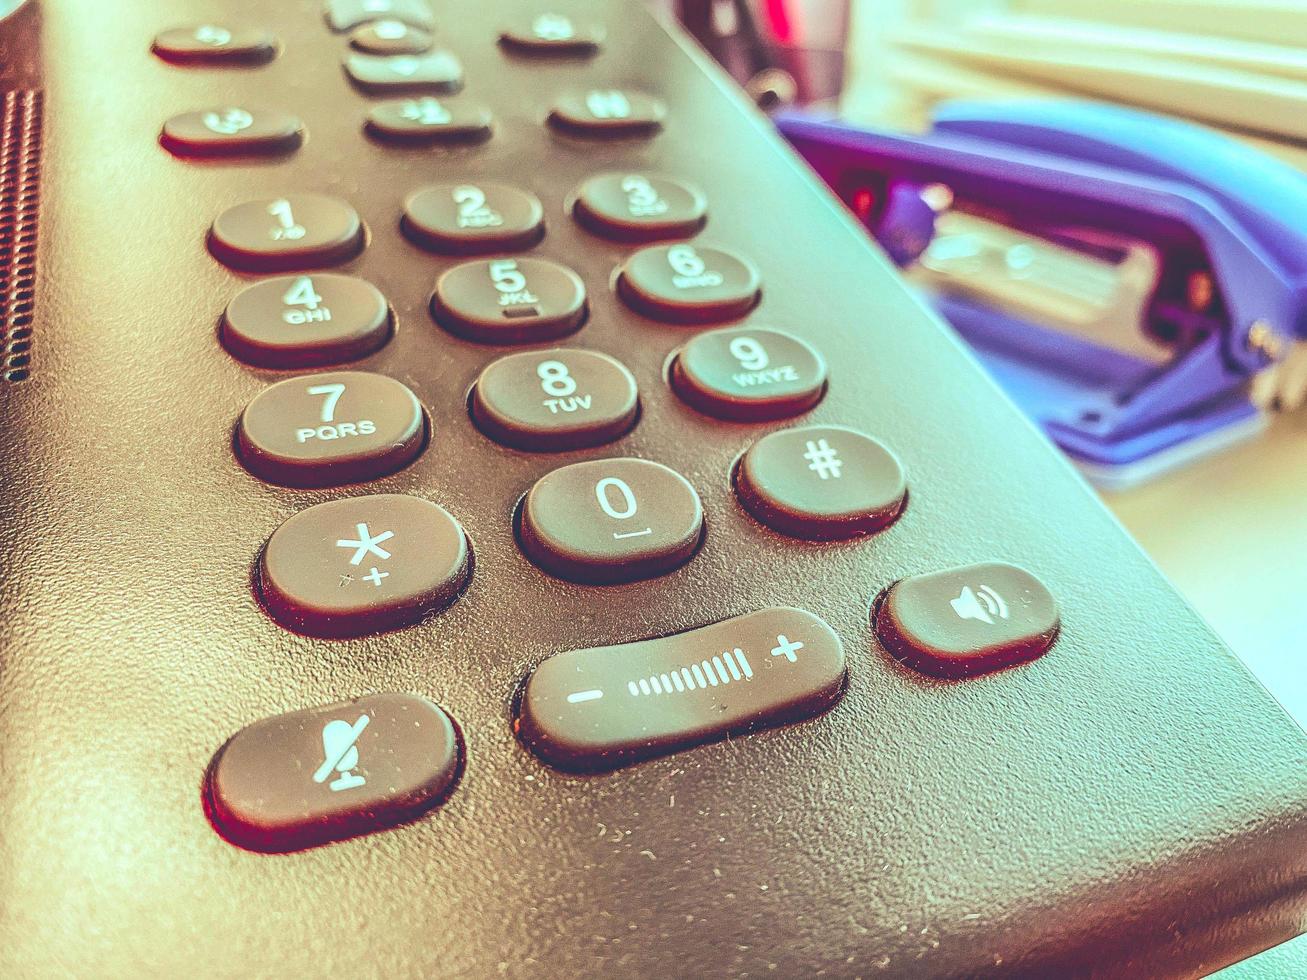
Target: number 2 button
{"x":323,"y":430}
{"x":611,"y":520}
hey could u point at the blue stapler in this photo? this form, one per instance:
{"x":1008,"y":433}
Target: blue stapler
{"x":1122,"y":275}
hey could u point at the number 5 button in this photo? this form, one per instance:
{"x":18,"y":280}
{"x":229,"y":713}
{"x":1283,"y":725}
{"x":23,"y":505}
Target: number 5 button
{"x":322,"y":430}
{"x":611,"y":520}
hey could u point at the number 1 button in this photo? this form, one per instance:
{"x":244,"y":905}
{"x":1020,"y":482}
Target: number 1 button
{"x":322,"y":430}
{"x":611,"y":520}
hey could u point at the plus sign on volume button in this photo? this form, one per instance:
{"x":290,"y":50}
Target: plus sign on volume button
{"x":605,"y":707}
{"x":362,"y":565}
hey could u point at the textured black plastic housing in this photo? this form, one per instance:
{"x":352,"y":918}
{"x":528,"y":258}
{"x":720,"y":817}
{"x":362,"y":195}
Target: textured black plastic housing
{"x":1130,"y":804}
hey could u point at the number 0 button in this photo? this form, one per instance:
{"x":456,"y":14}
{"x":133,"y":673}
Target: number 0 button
{"x":322,"y":430}
{"x":821,"y":483}
{"x":687,"y":283}
{"x":293,"y":232}
{"x":611,"y":520}
{"x":555,"y":399}
{"x":509,"y":301}
{"x":362,"y":565}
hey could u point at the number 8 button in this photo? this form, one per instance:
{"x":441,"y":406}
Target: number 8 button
{"x":323,"y":430}
{"x":555,"y":399}
{"x":611,"y":520}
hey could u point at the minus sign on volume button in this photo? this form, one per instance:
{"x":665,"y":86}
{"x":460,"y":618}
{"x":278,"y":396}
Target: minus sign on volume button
{"x":605,"y":707}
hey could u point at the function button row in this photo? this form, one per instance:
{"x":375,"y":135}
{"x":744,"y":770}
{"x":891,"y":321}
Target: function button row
{"x":608,"y":112}
{"x":345,"y":15}
{"x":606,"y":707}
{"x":363,"y":564}
{"x":323,"y":430}
{"x":389,"y":37}
{"x":462,"y":219}
{"x":636,"y":207}
{"x":328,"y":773}
{"x":685,"y":283}
{"x":306,"y":321}
{"x":509,"y":301}
{"x":232,"y":131}
{"x":292,"y":232}
{"x":214,"y":44}
{"x":436,"y":71}
{"x":967,"y":621}
{"x":552,"y":34}
{"x":748,"y":374}
{"x":822,"y":483}
{"x":611,"y":520}
{"x":428,"y":120}
{"x":552,"y":400}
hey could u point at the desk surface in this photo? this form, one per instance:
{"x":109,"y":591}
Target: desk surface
{"x":1231,"y":533}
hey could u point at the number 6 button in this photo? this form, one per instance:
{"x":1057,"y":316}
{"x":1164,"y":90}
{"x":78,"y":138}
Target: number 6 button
{"x":611,"y":520}
{"x":322,"y":430}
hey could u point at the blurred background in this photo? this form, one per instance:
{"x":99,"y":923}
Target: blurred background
{"x":1227,"y":521}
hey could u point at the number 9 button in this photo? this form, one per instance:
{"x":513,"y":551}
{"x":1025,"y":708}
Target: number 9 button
{"x":611,"y":520}
{"x":749,"y":374}
{"x":323,"y":430}
{"x":555,"y":399}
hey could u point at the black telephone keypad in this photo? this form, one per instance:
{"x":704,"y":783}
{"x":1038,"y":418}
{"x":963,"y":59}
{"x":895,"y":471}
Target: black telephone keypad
{"x":749,"y":374}
{"x":551,"y":400}
{"x":552,"y":34}
{"x":359,"y":565}
{"x":321,"y":430}
{"x":363,"y":564}
{"x":435,"y":71}
{"x":328,"y":773}
{"x":823,"y":483}
{"x":637,"y":207}
{"x":605,"y":707}
{"x":298,"y":231}
{"x":469,"y":218}
{"x":611,"y":520}
{"x":306,"y":321}
{"x":509,"y":301}
{"x":231,"y":131}
{"x":390,"y":37}
{"x":608,"y":112}
{"x":689,"y":283}
{"x":428,"y":120}
{"x":345,"y":15}
{"x":967,"y":621}
{"x":214,"y":44}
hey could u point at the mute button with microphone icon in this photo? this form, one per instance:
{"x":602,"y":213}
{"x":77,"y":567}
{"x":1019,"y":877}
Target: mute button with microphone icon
{"x":340,"y":770}
{"x":967,"y":621}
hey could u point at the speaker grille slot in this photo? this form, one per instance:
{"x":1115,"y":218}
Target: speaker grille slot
{"x":20,"y":180}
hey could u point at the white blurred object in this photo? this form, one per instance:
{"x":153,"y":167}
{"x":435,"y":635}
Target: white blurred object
{"x":1283,"y":386}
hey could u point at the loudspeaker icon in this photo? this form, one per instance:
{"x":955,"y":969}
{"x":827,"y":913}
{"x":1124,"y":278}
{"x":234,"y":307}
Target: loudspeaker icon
{"x":983,"y":604}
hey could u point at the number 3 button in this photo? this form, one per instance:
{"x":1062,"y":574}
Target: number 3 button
{"x":322,"y":430}
{"x":611,"y":520}
{"x":555,"y":399}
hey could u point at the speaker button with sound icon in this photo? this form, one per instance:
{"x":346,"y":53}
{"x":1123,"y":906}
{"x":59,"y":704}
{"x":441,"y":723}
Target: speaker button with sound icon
{"x":967,"y":621}
{"x":324,"y":774}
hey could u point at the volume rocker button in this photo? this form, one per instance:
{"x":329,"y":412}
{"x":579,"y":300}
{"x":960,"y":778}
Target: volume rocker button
{"x":605,"y":707}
